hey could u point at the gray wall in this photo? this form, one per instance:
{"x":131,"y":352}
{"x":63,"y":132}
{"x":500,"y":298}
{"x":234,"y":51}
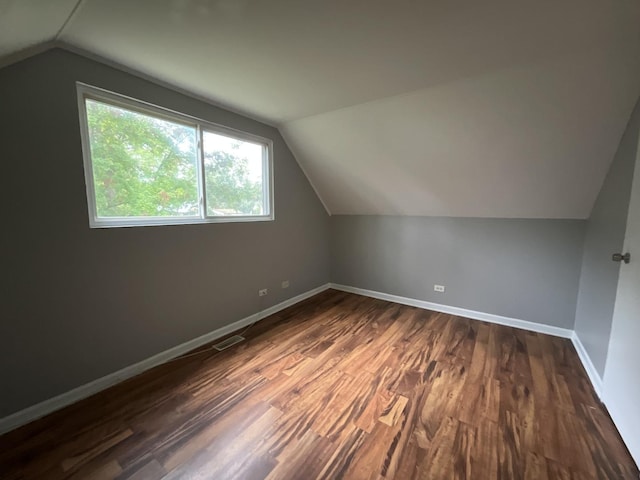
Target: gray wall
{"x":605,"y":236}
{"x":524,"y":269}
{"x":78,"y":303}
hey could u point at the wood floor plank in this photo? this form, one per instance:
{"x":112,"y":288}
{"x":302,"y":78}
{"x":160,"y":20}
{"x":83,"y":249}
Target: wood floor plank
{"x":479,"y":400}
{"x":440,"y":457}
{"x":149,"y":471}
{"x":230,"y":455}
{"x":393,"y":411}
{"x":338,"y":419}
{"x":441,"y":401}
{"x":305,"y":458}
{"x":380,"y":401}
{"x":340,"y":386}
{"x":372,"y":460}
{"x":108,"y":471}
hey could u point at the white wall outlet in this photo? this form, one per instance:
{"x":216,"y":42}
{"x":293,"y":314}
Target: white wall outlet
{"x":438,"y":288}
{"x":263,"y":292}
{"x":285,"y":284}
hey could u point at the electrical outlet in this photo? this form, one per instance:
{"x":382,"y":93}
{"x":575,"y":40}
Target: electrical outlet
{"x":263,"y":292}
{"x":438,"y":288}
{"x":285,"y":284}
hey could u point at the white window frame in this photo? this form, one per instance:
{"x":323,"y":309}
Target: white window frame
{"x":85,"y":92}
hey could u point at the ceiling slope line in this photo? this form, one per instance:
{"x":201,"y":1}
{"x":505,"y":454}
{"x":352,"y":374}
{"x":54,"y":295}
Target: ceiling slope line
{"x":377,"y":100}
{"x":304,"y":171}
{"x":68,"y":20}
{"x":516,"y":66}
{"x":636,"y":105}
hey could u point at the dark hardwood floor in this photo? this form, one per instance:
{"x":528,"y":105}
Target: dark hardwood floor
{"x":340,"y":386}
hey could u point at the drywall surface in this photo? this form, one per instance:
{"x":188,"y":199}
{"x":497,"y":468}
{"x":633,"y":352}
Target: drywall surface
{"x":79,"y":303}
{"x":523,"y":269}
{"x":605,"y":236}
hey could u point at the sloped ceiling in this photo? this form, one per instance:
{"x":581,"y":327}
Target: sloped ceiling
{"x":498,"y":108}
{"x":26,"y":25}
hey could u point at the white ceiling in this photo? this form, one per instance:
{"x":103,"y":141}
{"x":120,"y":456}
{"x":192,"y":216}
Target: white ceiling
{"x":499,"y":108}
{"x":27,"y":24}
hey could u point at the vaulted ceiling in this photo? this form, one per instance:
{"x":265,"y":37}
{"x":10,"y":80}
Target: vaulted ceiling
{"x":498,"y":108}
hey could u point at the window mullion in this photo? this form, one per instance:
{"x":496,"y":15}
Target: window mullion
{"x":266,"y":186}
{"x":202,"y":197}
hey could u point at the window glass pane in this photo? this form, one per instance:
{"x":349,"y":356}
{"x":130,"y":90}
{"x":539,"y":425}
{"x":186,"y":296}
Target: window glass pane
{"x":234,"y":176}
{"x":142,"y":166}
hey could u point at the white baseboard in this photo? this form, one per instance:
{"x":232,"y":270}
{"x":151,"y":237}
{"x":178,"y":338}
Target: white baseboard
{"x":462,"y":312}
{"x":594,"y":376}
{"x":56,"y":403}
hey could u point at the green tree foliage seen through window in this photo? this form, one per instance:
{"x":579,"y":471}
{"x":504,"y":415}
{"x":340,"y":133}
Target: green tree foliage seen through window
{"x":142,"y":166}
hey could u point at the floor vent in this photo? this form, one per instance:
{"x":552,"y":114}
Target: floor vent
{"x":229,"y":342}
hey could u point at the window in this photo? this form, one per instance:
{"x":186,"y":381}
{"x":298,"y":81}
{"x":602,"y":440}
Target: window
{"x":145,"y":165}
